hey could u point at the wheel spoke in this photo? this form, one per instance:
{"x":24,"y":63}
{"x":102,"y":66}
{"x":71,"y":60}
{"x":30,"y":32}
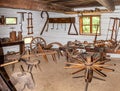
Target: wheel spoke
{"x":99,"y":72}
{"x":78,"y":70}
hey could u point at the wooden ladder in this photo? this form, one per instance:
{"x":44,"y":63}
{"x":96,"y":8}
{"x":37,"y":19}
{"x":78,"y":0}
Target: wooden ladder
{"x":30,"y":23}
{"x":113,"y":28}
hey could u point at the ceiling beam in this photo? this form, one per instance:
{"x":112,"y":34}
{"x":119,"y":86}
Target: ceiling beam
{"x":109,"y":4}
{"x":32,"y":5}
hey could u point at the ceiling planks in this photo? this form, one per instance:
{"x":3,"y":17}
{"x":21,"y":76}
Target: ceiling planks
{"x":57,"y":5}
{"x":33,"y":5}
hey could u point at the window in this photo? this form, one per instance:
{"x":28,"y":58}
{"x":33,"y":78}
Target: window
{"x":11,"y":20}
{"x":90,"y":25}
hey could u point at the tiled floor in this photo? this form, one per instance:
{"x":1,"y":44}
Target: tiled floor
{"x":54,"y":77}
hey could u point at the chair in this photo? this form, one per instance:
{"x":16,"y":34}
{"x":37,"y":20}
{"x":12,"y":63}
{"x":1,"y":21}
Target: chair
{"x":30,"y":59}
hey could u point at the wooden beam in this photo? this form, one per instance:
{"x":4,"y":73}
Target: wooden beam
{"x":96,"y":11}
{"x":117,"y":2}
{"x":109,"y":4}
{"x":32,"y":5}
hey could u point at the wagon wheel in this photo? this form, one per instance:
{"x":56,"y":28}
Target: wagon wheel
{"x":55,"y":46}
{"x":37,"y":40}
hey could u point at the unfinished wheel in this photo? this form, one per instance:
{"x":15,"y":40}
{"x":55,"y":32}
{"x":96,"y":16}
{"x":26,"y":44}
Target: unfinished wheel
{"x":37,"y":40}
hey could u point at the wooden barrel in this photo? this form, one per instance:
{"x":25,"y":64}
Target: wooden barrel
{"x":13,"y":36}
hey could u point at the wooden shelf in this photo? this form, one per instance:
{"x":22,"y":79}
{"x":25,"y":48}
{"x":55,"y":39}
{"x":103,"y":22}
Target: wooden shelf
{"x":20,"y":43}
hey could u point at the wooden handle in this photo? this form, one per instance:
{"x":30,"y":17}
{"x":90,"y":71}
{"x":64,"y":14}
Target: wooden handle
{"x":5,"y":64}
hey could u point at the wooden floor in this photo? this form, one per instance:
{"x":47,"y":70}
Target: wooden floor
{"x":54,"y":77}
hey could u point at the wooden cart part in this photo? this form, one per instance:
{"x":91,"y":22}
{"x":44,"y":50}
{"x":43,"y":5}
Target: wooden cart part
{"x":59,"y":53}
{"x":89,"y":65}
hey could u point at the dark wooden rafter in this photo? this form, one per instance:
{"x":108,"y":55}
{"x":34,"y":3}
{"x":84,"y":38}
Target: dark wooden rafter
{"x":32,"y":5}
{"x":109,"y":4}
{"x":75,"y":3}
{"x":117,"y":2}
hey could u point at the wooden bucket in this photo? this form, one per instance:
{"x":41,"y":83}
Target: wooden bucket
{"x":19,"y":35}
{"x":13,"y":36}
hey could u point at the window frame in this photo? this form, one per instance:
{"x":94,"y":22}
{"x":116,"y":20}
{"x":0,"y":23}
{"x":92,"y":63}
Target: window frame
{"x":81,"y":25}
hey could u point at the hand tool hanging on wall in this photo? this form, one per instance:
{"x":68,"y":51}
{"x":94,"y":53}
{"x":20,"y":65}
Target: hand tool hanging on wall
{"x":46,"y":22}
{"x":2,"y":20}
{"x":57,"y":26}
{"x":22,"y":19}
{"x":61,"y":25}
{"x":30,"y":23}
{"x":52,"y":26}
{"x":65,"y":26}
{"x":76,"y":32}
{"x":70,"y":20}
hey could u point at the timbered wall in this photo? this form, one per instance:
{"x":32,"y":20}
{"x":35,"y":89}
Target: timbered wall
{"x":60,"y":34}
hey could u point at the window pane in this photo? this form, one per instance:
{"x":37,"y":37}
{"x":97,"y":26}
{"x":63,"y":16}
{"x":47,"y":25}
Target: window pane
{"x":86,"y":20}
{"x":95,"y":20}
{"x":86,"y":29}
{"x":94,"y":29}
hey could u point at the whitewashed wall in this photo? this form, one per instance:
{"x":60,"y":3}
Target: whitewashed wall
{"x":60,"y":35}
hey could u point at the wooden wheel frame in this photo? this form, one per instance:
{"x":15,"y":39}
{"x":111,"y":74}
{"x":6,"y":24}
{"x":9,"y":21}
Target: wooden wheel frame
{"x":55,"y":43}
{"x":37,"y":40}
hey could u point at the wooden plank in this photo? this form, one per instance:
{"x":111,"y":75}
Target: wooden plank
{"x":109,"y":4}
{"x":3,"y":44}
{"x":39,"y":54}
{"x":62,"y":20}
{"x":5,"y":64}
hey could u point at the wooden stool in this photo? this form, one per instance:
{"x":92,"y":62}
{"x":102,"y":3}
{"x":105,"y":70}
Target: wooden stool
{"x":33,"y":63}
